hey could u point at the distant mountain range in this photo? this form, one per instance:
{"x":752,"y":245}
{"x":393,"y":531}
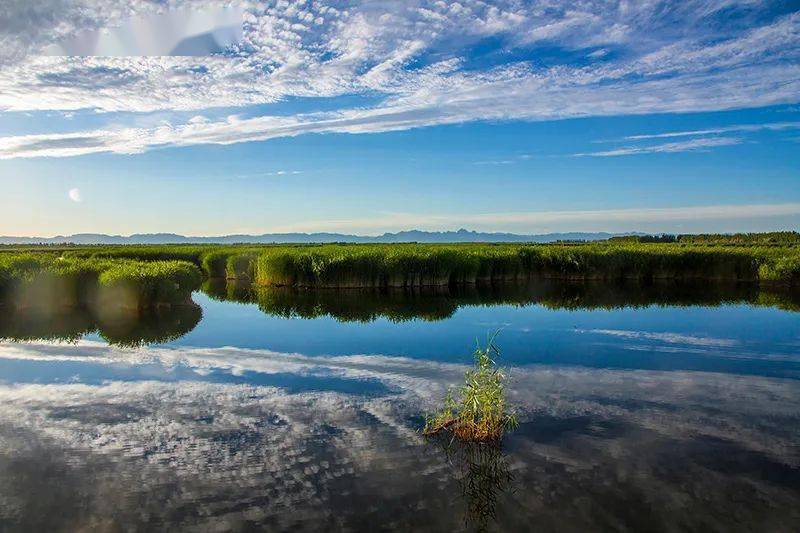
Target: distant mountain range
{"x":461,"y":235}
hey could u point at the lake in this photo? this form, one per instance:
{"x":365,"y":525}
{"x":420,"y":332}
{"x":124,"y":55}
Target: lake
{"x":658,"y":408}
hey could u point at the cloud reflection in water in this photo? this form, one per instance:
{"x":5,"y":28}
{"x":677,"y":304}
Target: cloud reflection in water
{"x":597,"y":448}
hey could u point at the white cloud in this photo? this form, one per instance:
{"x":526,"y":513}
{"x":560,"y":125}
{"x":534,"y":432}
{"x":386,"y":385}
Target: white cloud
{"x":772,"y":126}
{"x":693,"y":145}
{"x":666,"y":337}
{"x":75,"y":195}
{"x":412,"y":58}
{"x":124,"y":442}
{"x":545,"y":220}
{"x":184,"y":32}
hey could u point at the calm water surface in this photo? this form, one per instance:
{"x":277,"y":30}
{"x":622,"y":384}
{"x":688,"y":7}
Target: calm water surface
{"x":642,"y":408}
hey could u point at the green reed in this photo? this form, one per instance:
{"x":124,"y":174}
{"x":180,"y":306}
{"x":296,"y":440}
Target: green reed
{"x":397,"y":265}
{"x":478,"y":412}
{"x":416,"y":265}
{"x":28,"y":280}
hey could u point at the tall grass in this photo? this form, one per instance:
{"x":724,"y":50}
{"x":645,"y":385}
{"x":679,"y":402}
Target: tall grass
{"x":28,"y":280}
{"x":398,"y":265}
{"x":241,"y":265}
{"x":213,"y":260}
{"x":480,"y":412}
{"x":392,"y":265}
{"x":782,"y":269}
{"x":146,"y":284}
{"x":165,"y":252}
{"x":774,"y":238}
{"x":402,"y":265}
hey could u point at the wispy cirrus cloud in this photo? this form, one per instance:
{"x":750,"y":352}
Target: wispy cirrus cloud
{"x":749,"y":128}
{"x":666,"y":337}
{"x":545,"y":220}
{"x":693,"y":145}
{"x":704,"y":139}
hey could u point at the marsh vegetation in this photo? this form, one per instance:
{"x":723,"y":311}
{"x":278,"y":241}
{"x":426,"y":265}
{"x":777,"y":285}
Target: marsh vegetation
{"x":478,"y":412}
{"x":441,"y":265}
{"x":35,"y":279}
{"x":139,"y":277}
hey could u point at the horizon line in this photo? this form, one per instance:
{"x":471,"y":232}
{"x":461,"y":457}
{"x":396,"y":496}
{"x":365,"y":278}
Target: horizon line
{"x":387,"y":233}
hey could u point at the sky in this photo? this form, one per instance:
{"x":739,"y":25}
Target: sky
{"x":209,"y":118}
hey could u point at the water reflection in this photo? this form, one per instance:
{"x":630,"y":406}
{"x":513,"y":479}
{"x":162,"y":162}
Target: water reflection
{"x":440,"y":303}
{"x":483,"y":475}
{"x":118,"y":327}
{"x":165,"y":324}
{"x":597,"y":449}
{"x":741,"y":338}
{"x":633,"y":416}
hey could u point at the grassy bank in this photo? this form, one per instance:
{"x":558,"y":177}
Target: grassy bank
{"x":45,"y":279}
{"x":215,"y":261}
{"x":409,"y":265}
{"x":147,"y":275}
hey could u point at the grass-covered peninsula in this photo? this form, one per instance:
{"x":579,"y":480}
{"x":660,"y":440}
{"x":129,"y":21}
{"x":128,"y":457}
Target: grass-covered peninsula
{"x":31,"y":279}
{"x":146,"y":276}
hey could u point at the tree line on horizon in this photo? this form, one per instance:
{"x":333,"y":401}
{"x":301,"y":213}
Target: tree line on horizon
{"x":781,"y":238}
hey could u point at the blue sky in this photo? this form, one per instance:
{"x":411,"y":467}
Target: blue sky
{"x":369,"y":117}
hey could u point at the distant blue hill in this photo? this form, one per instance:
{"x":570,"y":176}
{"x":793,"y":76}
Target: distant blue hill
{"x":461,"y":235}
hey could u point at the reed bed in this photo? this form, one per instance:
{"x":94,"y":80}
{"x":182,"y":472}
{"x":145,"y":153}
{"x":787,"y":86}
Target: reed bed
{"x":147,"y":284}
{"x":31,"y":280}
{"x":369,"y":266}
{"x":215,"y":261}
{"x":168,"y":273}
{"x":478,"y":412}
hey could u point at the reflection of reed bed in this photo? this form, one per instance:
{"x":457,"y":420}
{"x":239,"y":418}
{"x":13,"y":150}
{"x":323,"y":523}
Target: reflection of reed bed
{"x":357,"y":306}
{"x":603,"y":295}
{"x":34,"y":325}
{"x":121,"y":327}
{"x":346,"y":305}
{"x":440,"y":303}
{"x":778,"y":299}
{"x":154,"y":326}
{"x":224,"y":290}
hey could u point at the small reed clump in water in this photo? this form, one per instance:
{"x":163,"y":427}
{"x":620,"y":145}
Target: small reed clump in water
{"x":480,"y":413}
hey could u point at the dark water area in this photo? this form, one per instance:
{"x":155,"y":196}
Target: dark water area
{"x":641,"y":408}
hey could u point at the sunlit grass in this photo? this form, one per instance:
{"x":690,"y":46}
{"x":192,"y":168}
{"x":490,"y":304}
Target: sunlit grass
{"x":64,"y":281}
{"x":405,"y":265}
{"x":418,"y":265}
{"x":478,"y":412}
